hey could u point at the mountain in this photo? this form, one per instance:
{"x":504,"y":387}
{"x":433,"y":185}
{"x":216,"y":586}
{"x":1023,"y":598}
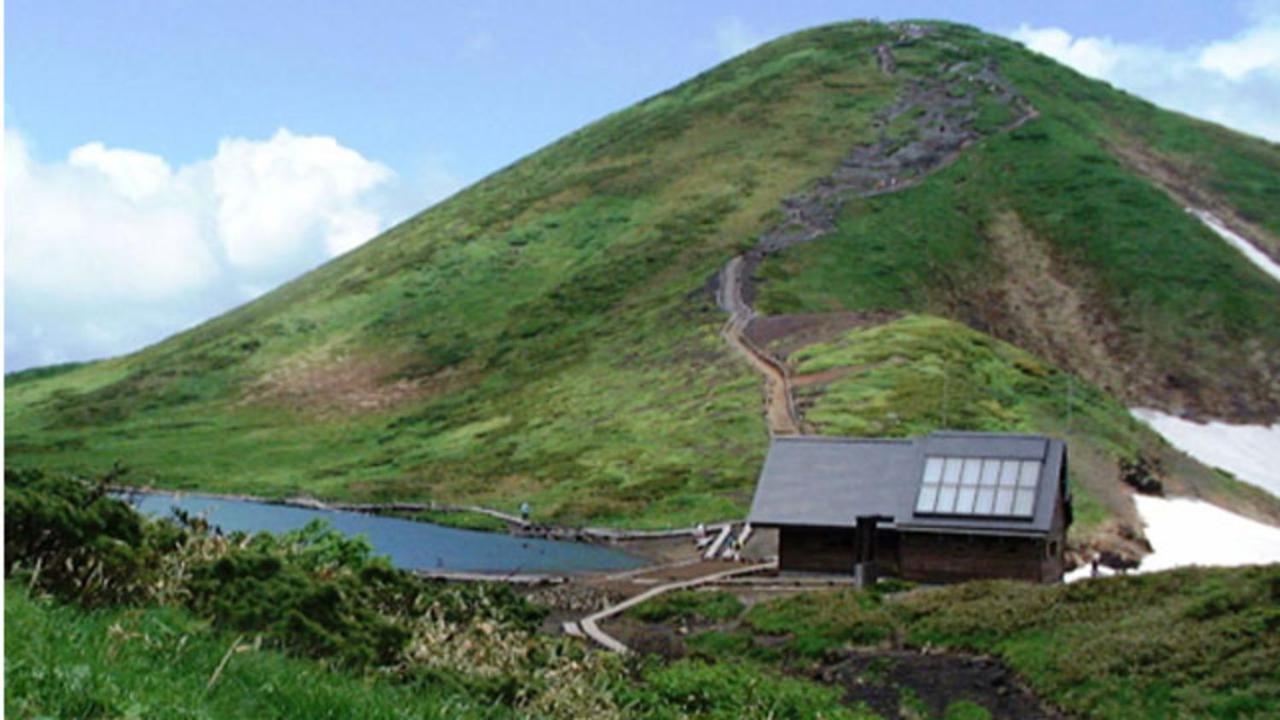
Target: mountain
{"x":913,"y":226}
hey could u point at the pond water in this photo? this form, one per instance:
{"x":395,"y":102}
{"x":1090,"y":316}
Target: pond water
{"x":410,"y":545}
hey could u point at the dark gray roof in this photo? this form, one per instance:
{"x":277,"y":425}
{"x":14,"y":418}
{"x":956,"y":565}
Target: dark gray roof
{"x":830,"y":482}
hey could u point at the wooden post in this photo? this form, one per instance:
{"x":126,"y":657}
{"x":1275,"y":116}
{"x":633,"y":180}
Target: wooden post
{"x":864,"y":551}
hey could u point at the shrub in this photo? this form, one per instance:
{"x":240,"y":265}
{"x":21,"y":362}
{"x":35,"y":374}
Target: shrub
{"x":689,"y":605}
{"x":68,"y":537}
{"x":733,"y":690}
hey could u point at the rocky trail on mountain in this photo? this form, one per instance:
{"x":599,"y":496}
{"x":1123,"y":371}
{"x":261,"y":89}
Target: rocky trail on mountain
{"x":942,"y":114}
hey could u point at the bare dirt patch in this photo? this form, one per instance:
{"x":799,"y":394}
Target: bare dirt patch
{"x":333,"y":385}
{"x":1050,"y":317}
{"x":881,"y":678}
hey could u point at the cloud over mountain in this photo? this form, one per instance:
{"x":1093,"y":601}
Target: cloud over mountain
{"x":1234,"y":81}
{"x":111,"y":248}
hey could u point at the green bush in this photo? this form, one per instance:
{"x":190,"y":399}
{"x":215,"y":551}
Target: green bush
{"x":695,"y":688}
{"x":333,"y":614}
{"x":312,"y":591}
{"x":818,"y":623}
{"x":68,"y":537}
{"x":689,"y":605}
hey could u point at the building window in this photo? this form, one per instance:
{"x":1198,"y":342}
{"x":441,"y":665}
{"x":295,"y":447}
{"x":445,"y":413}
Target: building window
{"x":979,"y":486}
{"x":1053,"y":549}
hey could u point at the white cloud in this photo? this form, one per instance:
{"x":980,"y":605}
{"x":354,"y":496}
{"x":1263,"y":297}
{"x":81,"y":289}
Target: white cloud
{"x":1234,"y":81}
{"x":275,"y":197}
{"x":112,"y":248}
{"x":136,"y":175}
{"x":1092,"y":56}
{"x":1258,"y":48}
{"x":734,"y":37}
{"x":76,"y":231}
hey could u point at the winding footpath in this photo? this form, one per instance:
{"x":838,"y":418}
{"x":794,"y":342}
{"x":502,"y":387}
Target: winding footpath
{"x":883,"y":167}
{"x":780,"y":409}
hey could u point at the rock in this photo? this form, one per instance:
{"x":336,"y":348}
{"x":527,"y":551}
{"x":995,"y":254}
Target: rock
{"x":1142,"y":475}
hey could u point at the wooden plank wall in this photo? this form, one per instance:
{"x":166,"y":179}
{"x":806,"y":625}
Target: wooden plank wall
{"x":816,"y":549}
{"x":935,"y":557}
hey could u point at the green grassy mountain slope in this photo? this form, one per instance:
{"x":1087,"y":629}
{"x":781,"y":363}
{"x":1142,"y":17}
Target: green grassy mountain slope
{"x":551,"y":333}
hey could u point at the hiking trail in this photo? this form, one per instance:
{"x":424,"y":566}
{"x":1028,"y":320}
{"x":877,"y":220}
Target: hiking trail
{"x":944,"y":125}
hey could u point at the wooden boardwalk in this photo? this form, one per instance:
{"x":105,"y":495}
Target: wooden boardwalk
{"x":590,"y":625}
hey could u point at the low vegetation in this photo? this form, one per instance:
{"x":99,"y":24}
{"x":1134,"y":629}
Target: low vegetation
{"x":109,"y":614}
{"x":1186,"y":643}
{"x":689,"y":605}
{"x":153,"y":662}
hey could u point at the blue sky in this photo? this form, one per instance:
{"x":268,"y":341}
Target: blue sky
{"x":167,"y":160}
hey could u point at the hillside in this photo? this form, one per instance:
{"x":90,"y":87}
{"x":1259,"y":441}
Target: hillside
{"x":939,"y":228}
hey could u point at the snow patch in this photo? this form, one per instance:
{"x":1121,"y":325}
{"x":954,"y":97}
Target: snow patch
{"x":1256,"y":256}
{"x":1186,"y":531}
{"x":1250,"y":452}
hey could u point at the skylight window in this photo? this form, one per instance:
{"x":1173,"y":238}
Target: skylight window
{"x":978,"y":486}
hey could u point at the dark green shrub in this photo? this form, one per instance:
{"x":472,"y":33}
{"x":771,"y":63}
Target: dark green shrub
{"x":69,"y":537}
{"x":689,"y":605}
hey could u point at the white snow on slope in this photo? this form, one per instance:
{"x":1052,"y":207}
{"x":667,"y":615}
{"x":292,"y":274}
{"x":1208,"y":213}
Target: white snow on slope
{"x":1250,"y":452}
{"x":1186,"y":531}
{"x":1256,"y":256}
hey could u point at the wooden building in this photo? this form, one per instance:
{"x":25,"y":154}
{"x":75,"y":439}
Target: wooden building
{"x":946,"y":507}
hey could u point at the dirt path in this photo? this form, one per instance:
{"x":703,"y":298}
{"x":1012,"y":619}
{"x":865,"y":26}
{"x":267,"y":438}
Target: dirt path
{"x":780,"y":409}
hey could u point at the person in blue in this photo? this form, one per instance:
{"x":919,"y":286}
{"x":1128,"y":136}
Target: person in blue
{"x":525,"y":511}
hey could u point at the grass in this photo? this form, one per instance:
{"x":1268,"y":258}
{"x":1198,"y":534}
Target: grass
{"x":966,"y":710}
{"x":687,"y":605}
{"x":729,"y":690}
{"x":61,"y":661}
{"x":1195,"y":642}
{"x":921,"y":373}
{"x":159,"y":662}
